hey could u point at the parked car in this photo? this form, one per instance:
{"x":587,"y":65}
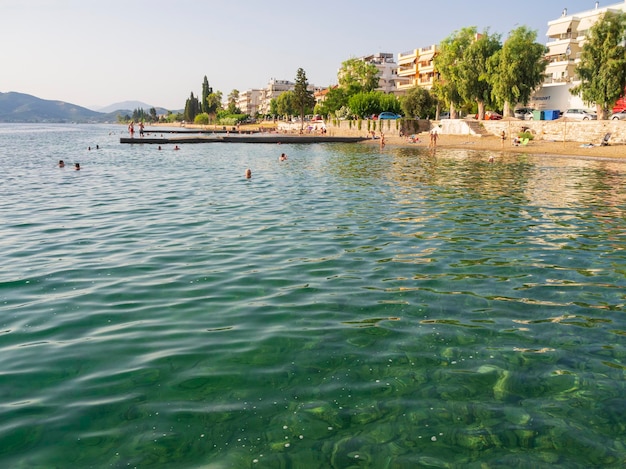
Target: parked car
{"x":580,"y":114}
{"x":524,"y":113}
{"x":389,"y":115}
{"x":618,"y":116}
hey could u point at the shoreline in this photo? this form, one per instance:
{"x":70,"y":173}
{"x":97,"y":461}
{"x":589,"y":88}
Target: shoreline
{"x":477,"y":143}
{"x":494,"y":144}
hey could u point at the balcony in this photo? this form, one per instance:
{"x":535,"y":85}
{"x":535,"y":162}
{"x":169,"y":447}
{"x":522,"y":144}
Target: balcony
{"x":407,"y":71}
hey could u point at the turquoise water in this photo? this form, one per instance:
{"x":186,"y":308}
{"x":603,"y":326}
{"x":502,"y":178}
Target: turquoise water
{"x":346,"y":308}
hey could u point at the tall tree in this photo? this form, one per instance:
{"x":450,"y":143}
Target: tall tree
{"x":356,"y":75}
{"x":473,"y":70}
{"x":192,"y":108}
{"x":447,"y":62}
{"x":602,"y":67}
{"x":206,"y":91}
{"x":233,"y":97}
{"x":303,"y":99}
{"x":517,"y":69}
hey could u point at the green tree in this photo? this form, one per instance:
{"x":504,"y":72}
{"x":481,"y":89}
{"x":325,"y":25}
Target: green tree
{"x":233,"y":97}
{"x":356,"y":75}
{"x":206,"y":91}
{"x":285,"y":104}
{"x":303,"y":99}
{"x":153,"y":115}
{"x":213,"y":103}
{"x":417,"y":102}
{"x":374,"y":102}
{"x":517,"y":69}
{"x":602,"y":67}
{"x":473,"y":70}
{"x":335,"y":99}
{"x":201,"y":119}
{"x":448,"y":63}
{"x":192,"y":108}
{"x":274,"y":108}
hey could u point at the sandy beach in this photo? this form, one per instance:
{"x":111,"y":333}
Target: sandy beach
{"x":494,"y":144}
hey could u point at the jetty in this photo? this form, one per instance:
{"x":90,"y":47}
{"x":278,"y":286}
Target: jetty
{"x":179,"y":139}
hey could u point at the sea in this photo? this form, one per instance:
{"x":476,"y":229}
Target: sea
{"x":351,"y":307}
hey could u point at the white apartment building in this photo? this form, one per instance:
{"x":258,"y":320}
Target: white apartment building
{"x":388,"y":78}
{"x":566,"y":37}
{"x":248,"y":102}
{"x":273,"y":90}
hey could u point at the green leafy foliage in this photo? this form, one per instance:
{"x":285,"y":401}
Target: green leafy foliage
{"x":418,"y":102}
{"x":517,"y":69}
{"x":602,"y":67}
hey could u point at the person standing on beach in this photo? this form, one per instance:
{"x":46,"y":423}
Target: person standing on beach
{"x":434,"y":134}
{"x":503,"y":137}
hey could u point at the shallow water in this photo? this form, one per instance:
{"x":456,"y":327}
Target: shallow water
{"x":345,"y":308}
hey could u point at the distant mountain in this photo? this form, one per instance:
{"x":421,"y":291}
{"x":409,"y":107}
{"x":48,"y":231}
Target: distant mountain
{"x":131,"y":106}
{"x":20,"y":107}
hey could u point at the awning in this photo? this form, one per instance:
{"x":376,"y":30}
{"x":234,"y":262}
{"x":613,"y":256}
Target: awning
{"x":557,"y":49}
{"x":557,"y":69}
{"x":587,"y":22}
{"x":559,"y":28}
{"x":426,"y":57}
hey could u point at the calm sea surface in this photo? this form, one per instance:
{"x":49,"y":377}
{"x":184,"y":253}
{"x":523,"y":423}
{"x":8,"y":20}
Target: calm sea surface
{"x":347,"y":308}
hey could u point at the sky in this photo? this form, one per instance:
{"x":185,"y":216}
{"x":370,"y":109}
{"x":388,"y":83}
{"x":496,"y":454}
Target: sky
{"x":96,"y":53}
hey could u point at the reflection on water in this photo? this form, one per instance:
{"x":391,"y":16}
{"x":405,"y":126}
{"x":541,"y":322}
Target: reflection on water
{"x":349,"y":307}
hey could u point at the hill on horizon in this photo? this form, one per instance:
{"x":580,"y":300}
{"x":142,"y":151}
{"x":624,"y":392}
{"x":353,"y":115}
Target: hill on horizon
{"x":126,"y":105}
{"x":25,"y":108}
{"x":20,"y":107}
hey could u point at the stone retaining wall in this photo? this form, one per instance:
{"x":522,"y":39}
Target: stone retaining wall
{"x":557,"y":130}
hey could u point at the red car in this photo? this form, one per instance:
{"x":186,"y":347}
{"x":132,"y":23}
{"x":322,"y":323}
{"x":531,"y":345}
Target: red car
{"x":492,"y":116}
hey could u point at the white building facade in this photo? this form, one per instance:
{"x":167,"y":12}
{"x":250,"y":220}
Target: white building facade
{"x":566,"y":37}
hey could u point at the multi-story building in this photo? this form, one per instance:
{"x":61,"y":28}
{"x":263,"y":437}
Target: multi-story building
{"x":416,"y":68}
{"x":272,"y":91}
{"x":248,"y":102}
{"x":388,"y":78}
{"x":566,"y":37}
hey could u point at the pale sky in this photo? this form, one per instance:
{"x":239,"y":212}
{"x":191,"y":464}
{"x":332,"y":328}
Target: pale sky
{"x":100,"y":52}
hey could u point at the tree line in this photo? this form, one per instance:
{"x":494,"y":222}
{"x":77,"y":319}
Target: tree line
{"x":475,"y":72}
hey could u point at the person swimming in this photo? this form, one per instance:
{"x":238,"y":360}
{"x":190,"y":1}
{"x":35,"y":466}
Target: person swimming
{"x":282,"y":157}
{"x":61,"y":164}
{"x":77,"y":166}
{"x":248,"y":173}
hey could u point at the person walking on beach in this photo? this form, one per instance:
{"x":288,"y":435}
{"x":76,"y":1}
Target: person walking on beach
{"x":434,"y":134}
{"x":503,"y":138}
